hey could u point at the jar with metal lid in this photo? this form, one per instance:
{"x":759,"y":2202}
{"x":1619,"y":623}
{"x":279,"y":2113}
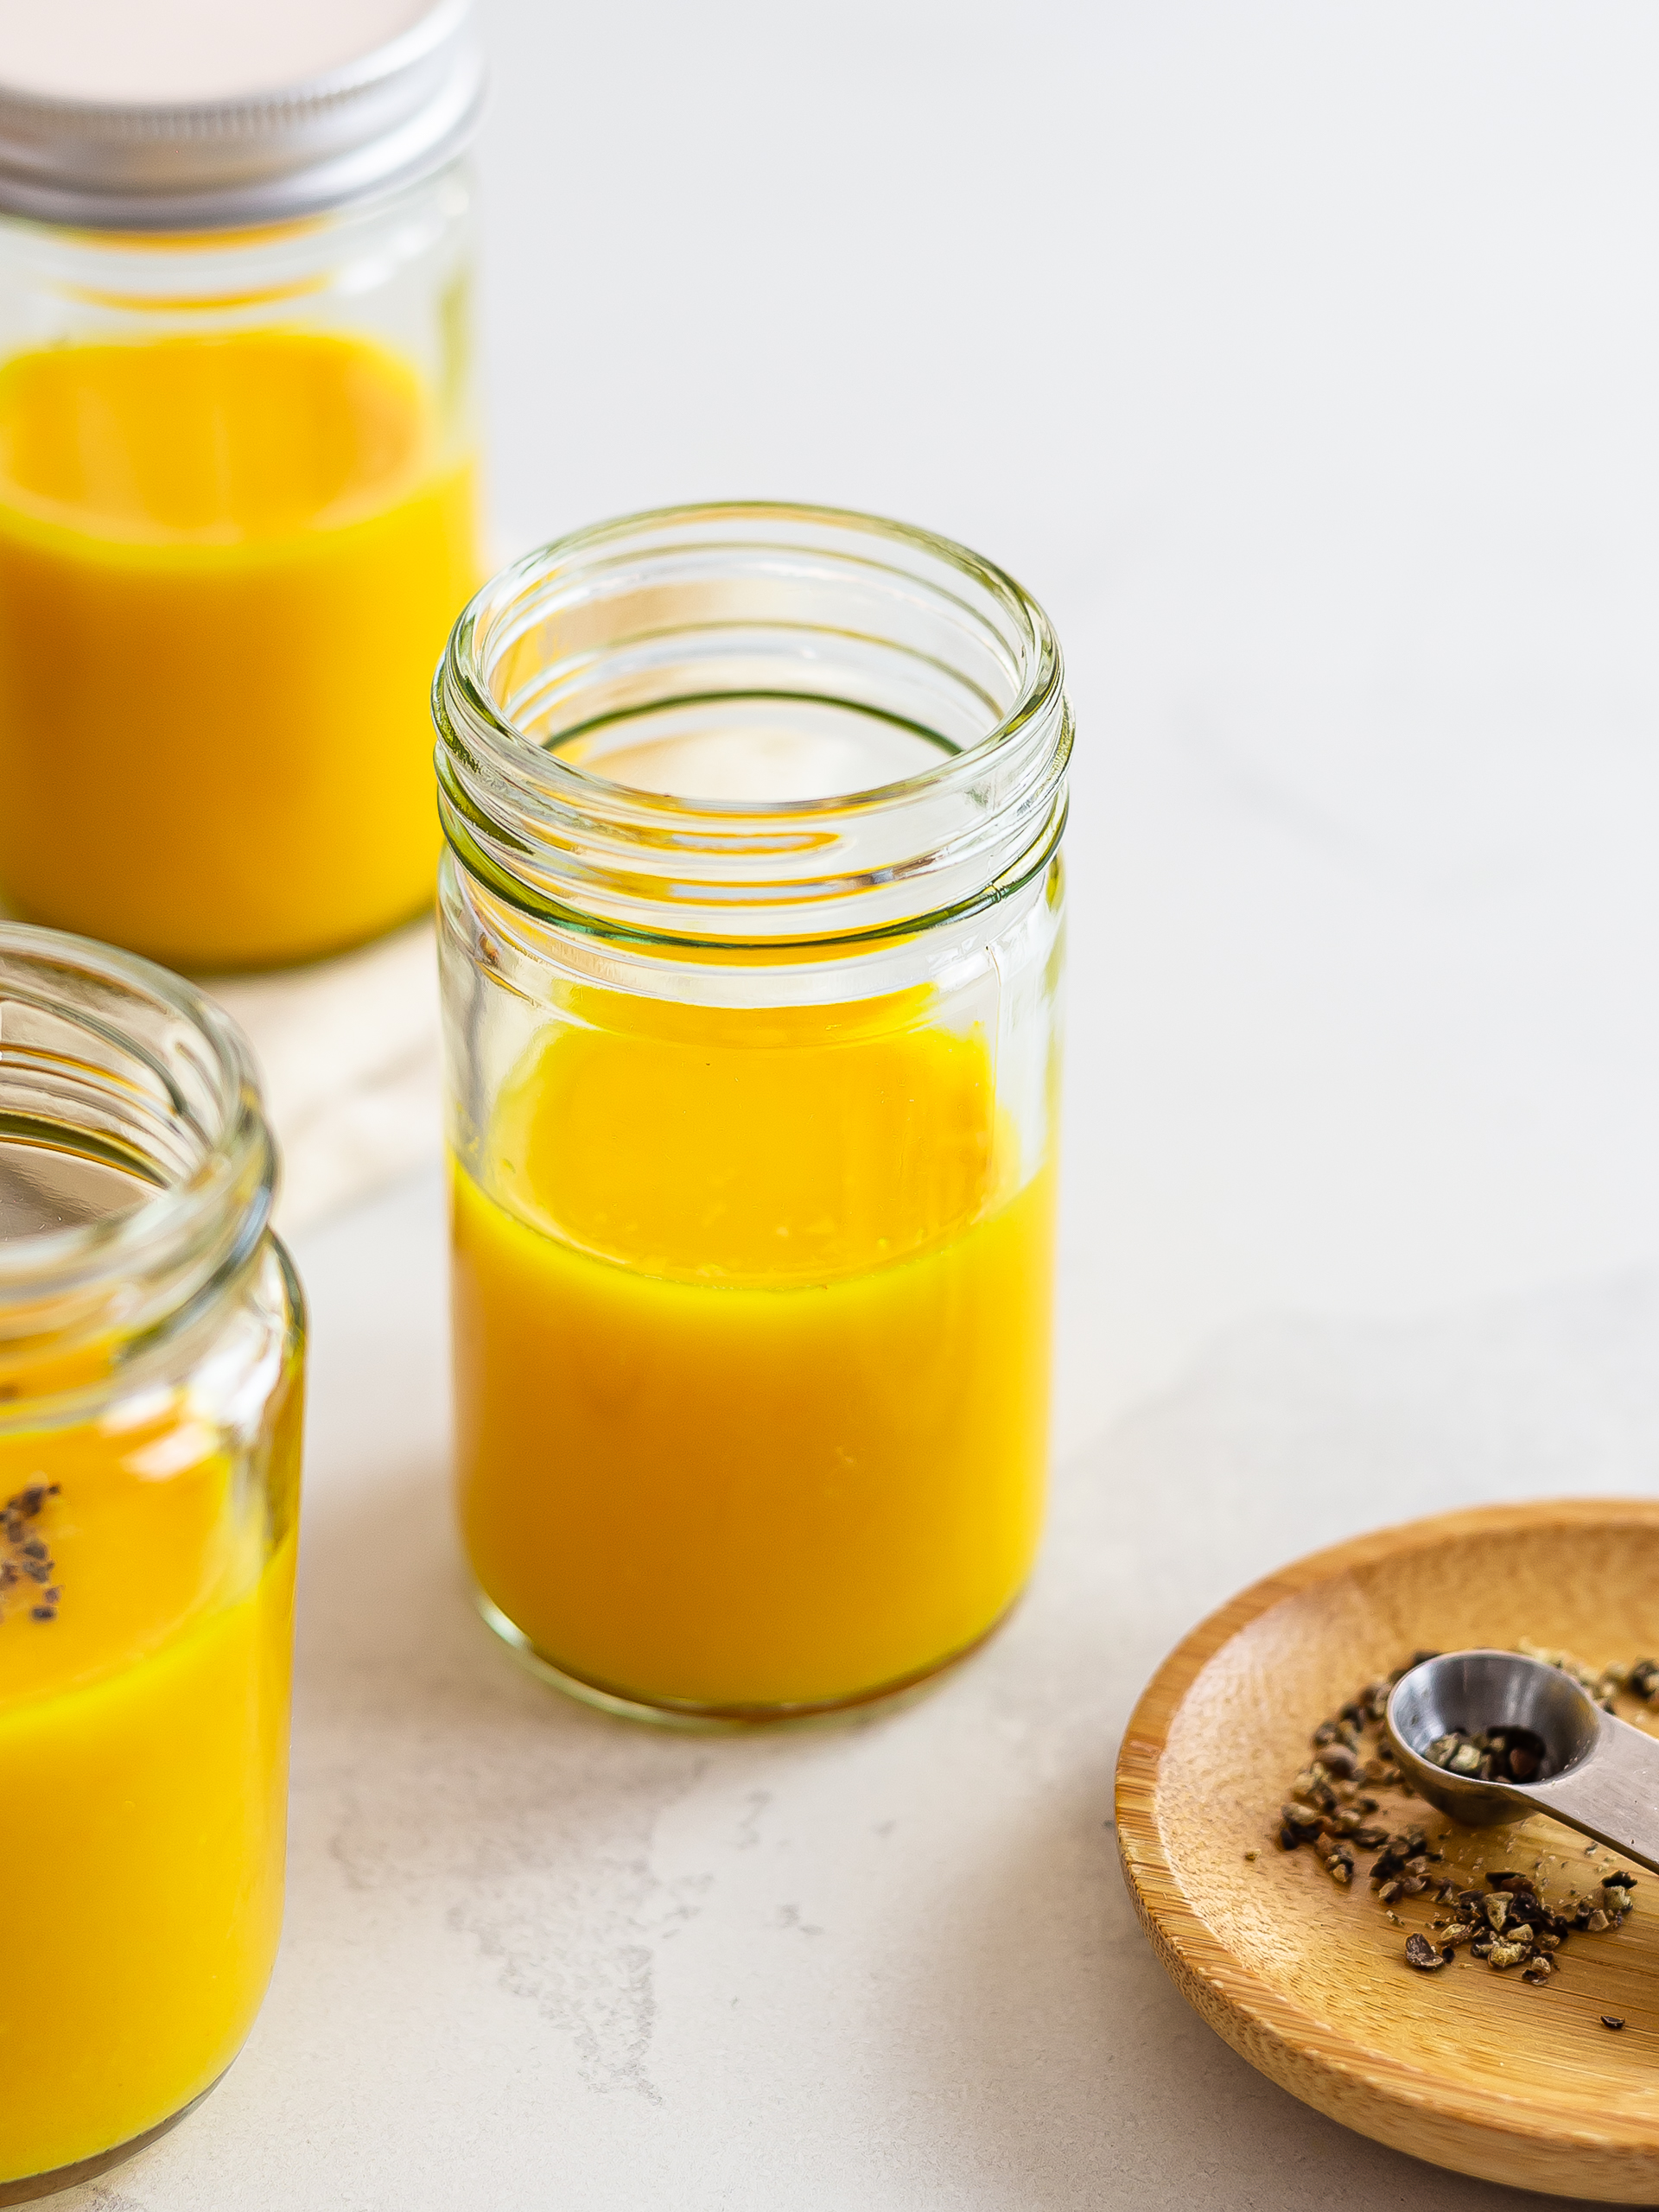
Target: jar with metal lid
{"x":751,"y":937}
{"x":151,"y":1346}
{"x":238,"y":466}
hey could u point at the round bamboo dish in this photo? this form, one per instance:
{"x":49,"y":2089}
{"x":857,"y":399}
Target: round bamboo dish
{"x":1468,"y":2069}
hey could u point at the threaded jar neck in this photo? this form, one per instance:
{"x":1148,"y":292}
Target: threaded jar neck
{"x":752,"y":725}
{"x":136,"y":1170}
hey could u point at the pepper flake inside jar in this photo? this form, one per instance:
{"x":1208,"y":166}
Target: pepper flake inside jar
{"x":27,"y":1567}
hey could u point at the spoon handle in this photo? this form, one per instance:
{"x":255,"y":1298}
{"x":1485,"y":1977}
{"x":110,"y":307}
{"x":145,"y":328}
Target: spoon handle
{"x":1612,"y":1795}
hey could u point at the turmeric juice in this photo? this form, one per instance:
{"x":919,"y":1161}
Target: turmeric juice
{"x":752,"y":1331}
{"x":227,"y":565}
{"x":146,"y":1583}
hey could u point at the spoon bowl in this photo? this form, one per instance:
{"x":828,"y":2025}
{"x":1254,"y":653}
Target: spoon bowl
{"x":1466,"y":1693}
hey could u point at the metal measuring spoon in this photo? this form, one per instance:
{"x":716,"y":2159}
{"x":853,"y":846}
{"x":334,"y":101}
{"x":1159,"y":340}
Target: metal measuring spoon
{"x":1597,"y":1774}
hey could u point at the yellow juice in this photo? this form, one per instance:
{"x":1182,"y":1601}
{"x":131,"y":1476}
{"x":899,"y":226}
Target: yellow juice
{"x":227,"y":566}
{"x":752,"y":1341}
{"x":143,"y":1702}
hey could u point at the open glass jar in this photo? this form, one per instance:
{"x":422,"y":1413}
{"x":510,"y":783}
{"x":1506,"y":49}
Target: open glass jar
{"x":151,"y":1339}
{"x":238,"y":461}
{"x":751,"y":935}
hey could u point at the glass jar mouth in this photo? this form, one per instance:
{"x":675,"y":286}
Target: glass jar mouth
{"x":108,"y":1058}
{"x":653,"y":636}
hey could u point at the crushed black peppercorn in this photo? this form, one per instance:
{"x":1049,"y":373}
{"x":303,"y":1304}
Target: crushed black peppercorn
{"x":1502,"y":1916}
{"x":1422,"y":1955}
{"x":1500,"y":1754}
{"x":26,"y":1566}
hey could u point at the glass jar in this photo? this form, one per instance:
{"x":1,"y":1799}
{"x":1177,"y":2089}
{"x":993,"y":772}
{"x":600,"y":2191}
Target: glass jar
{"x":151,"y":1337}
{"x":751,"y":936}
{"x":238,"y":462}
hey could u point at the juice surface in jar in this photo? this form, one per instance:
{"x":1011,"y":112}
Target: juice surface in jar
{"x":228,"y":563}
{"x":753,"y":1352}
{"x":149,"y":1474}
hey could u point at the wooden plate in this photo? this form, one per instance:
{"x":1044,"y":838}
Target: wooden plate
{"x":1469,"y":2068}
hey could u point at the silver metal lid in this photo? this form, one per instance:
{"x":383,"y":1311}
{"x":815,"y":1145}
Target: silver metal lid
{"x":249,"y":154}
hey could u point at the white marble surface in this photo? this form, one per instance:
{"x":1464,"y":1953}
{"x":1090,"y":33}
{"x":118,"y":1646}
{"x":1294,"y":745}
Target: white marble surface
{"x":1305,"y":360}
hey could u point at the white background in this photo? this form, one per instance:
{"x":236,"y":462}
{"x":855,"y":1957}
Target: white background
{"x":1304,"y":360}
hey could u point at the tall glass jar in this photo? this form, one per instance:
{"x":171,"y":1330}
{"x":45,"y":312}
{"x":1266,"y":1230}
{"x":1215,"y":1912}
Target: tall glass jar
{"x":151,"y":1337}
{"x":751,"y":938}
{"x":238,"y":463}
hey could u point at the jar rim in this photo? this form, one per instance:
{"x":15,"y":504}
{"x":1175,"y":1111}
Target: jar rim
{"x":141,"y":1267}
{"x":508,"y":803}
{"x":1044,"y":683}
